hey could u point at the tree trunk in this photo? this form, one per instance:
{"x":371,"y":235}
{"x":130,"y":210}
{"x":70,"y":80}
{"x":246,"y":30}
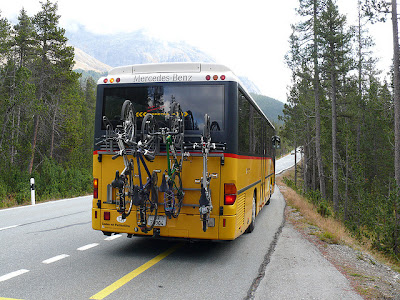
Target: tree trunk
{"x":335,"y":162}
{"x":396,"y":82}
{"x":53,"y":129}
{"x":318,"y":154}
{"x":34,"y":139}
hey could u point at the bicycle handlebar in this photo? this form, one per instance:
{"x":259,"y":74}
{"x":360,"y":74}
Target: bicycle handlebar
{"x":200,"y":146}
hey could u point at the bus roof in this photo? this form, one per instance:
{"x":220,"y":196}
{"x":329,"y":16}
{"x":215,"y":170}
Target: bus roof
{"x":169,"y":68}
{"x":169,"y":72}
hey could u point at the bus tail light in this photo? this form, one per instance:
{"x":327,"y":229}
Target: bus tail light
{"x":95,"y":188}
{"x":230,"y":193}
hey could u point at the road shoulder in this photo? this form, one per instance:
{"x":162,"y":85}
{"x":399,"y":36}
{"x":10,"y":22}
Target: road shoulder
{"x":298,"y":270}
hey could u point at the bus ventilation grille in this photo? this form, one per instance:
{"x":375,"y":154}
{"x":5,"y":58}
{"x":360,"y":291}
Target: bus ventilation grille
{"x":240,"y":210}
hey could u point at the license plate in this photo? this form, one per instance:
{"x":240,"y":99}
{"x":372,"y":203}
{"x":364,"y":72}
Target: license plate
{"x":160,"y":221}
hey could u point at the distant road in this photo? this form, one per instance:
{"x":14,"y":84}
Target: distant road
{"x":287,"y":162}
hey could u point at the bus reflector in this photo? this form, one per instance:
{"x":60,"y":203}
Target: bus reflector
{"x":208,"y":77}
{"x":118,"y":79}
{"x":95,"y":188}
{"x":215,"y":77}
{"x":222,"y":77}
{"x":105,"y":80}
{"x":230,"y":193}
{"x":107,"y":216}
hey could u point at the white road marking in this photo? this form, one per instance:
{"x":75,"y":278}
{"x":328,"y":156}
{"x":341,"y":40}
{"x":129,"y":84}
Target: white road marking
{"x":55,"y":258}
{"x":83,"y":248}
{"x":13,"y":274}
{"x":9,"y":227}
{"x":113,"y":237}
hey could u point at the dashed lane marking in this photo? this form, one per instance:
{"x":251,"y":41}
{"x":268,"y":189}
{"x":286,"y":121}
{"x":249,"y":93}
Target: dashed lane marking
{"x":83,"y":248}
{"x":55,"y":258}
{"x":128,"y":277}
{"x":9,"y":227}
{"x":110,"y":238}
{"x":13,"y":274}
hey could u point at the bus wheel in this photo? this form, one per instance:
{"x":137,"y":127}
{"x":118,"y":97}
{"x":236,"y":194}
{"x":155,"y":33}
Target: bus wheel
{"x":269,"y":199}
{"x":253,"y":216}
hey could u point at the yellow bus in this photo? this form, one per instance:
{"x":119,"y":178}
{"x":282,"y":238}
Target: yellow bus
{"x":243,"y":173}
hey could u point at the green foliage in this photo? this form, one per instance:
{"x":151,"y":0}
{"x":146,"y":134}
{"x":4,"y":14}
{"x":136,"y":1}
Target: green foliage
{"x":56,"y":181}
{"x":358,"y":149}
{"x":46,"y":115}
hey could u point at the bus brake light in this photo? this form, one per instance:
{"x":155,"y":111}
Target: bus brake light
{"x":230,"y":193}
{"x":95,"y":188}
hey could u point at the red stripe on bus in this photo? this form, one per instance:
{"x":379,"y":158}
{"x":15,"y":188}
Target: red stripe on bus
{"x":225,"y":154}
{"x":244,"y":156}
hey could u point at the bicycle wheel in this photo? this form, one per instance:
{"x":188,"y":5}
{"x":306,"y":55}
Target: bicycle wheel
{"x":204,"y":220}
{"x":207,"y":127}
{"x":176,"y":125}
{"x":179,"y":194}
{"x":148,"y":210}
{"x":128,"y":118}
{"x":149,"y":139}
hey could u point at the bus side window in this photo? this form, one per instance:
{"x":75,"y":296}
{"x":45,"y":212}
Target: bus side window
{"x":244,"y":124}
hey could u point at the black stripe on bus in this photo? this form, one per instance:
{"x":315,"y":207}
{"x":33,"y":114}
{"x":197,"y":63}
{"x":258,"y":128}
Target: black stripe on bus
{"x":251,"y":185}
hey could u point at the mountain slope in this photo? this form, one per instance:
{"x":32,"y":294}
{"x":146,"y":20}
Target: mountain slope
{"x":84,"y":61}
{"x":134,"y":48}
{"x":101,"y":52}
{"x":271,"y":107}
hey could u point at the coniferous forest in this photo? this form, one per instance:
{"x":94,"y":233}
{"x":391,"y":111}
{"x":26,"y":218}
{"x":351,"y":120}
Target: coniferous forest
{"x":346,"y":117}
{"x":46,"y":113}
{"x":340,"y":111}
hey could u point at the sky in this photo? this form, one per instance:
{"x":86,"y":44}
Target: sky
{"x":248,"y":36}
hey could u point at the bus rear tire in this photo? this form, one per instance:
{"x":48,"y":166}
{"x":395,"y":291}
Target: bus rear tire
{"x":253,"y":215}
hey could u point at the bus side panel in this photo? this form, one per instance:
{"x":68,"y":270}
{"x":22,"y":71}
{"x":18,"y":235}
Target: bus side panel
{"x":245,"y":173}
{"x":95,"y":209}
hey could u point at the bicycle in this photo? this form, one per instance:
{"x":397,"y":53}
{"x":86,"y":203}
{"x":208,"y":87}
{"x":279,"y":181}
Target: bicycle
{"x":173,"y":138}
{"x":145,"y":196}
{"x":206,"y":146}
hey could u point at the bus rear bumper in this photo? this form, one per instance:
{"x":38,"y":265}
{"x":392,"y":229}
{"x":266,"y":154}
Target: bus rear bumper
{"x":186,"y":226}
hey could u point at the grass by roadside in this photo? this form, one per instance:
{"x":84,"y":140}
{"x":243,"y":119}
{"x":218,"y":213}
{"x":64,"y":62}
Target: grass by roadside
{"x":370,"y":272}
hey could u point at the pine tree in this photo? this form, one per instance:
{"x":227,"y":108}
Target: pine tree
{"x":336,"y":46}
{"x":53,"y":69}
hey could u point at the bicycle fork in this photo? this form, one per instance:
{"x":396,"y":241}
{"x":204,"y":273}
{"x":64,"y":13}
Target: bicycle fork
{"x":205,"y":198}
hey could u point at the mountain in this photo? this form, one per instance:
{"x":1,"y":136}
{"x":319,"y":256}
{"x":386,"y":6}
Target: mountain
{"x":250,"y":85}
{"x":100,"y":53}
{"x":134,"y":48}
{"x":85,"y":62}
{"x":271,"y":107}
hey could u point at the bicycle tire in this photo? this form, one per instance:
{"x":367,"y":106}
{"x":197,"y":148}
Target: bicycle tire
{"x":205,"y":222}
{"x":128,"y":118}
{"x":177,"y":125}
{"x":149,"y":206}
{"x":179,"y":194}
{"x":149,"y":139}
{"x":207,"y":128}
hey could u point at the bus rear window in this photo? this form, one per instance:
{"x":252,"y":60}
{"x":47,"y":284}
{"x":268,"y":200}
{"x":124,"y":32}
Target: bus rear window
{"x":195,"y":101}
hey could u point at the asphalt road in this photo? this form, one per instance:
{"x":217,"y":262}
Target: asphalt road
{"x":49,"y":251}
